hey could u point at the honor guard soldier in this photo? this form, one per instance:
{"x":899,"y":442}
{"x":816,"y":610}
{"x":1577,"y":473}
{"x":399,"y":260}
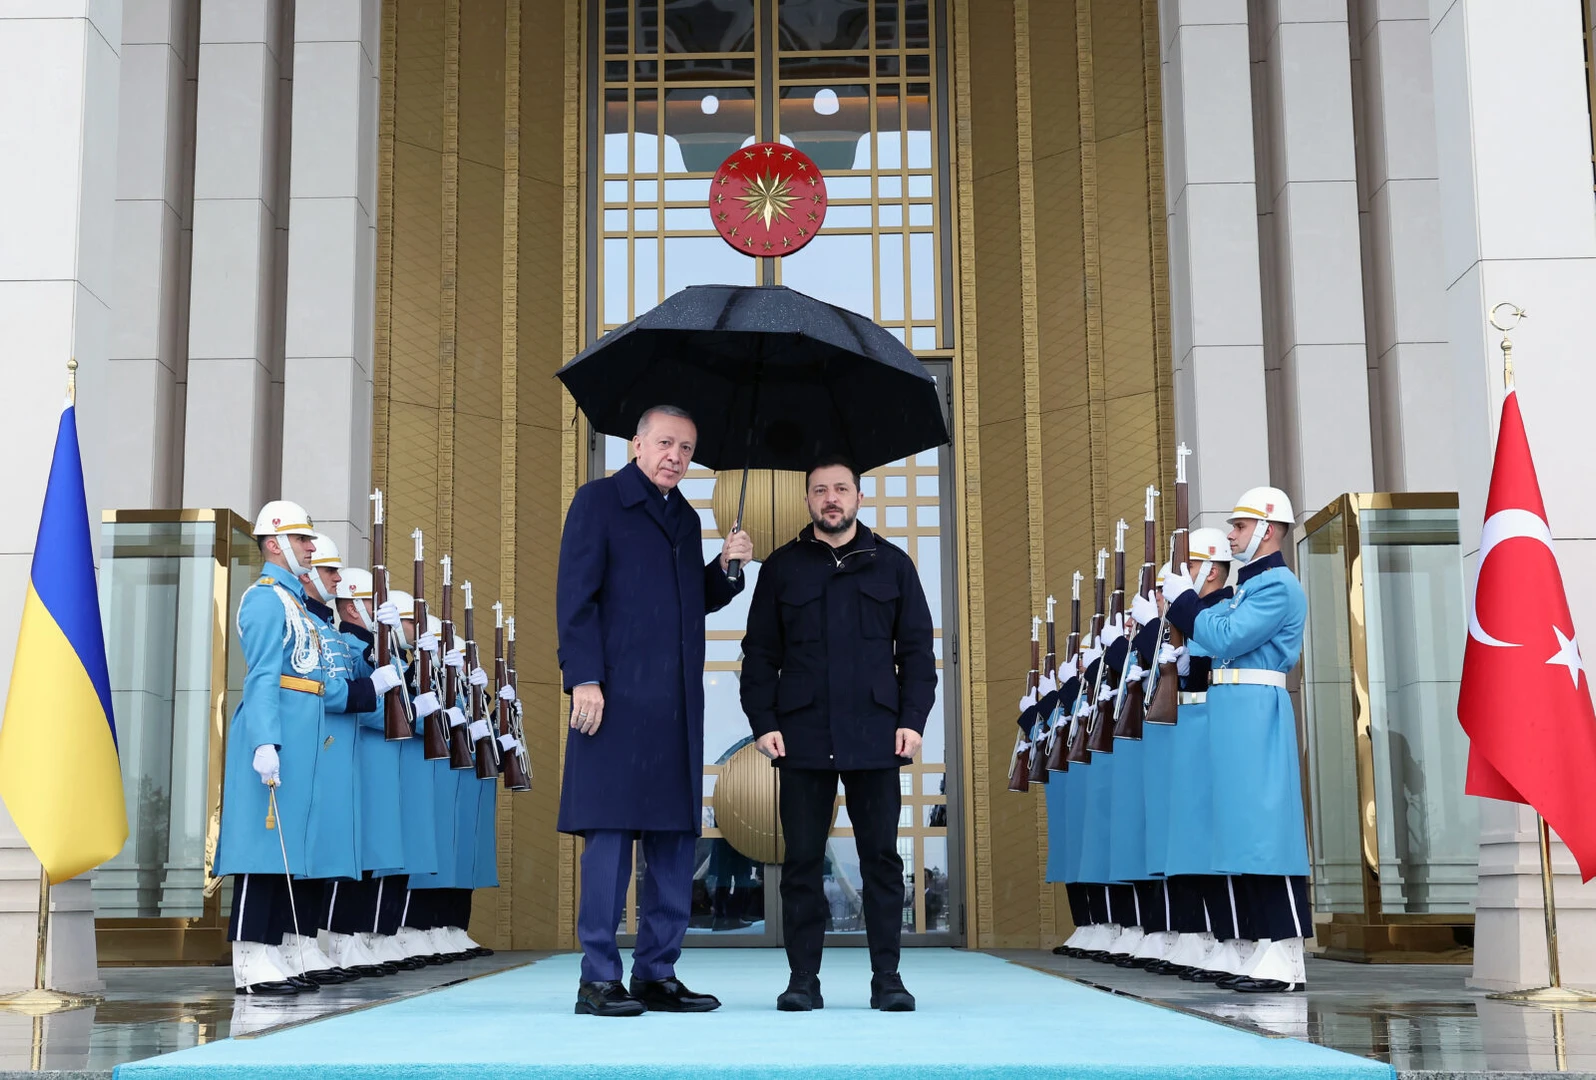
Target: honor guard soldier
{"x":1258,"y":832}
{"x":272,"y":735}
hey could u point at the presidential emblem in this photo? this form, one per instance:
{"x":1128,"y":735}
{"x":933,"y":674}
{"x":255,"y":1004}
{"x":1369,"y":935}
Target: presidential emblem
{"x":767,"y":200}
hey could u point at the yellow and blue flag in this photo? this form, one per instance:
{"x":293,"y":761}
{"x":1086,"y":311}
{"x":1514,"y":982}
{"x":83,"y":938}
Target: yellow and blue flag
{"x":59,"y":772}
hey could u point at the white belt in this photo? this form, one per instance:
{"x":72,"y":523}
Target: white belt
{"x":1193,"y":697}
{"x":1246,"y":677}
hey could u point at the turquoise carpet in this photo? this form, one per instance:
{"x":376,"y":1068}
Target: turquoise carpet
{"x":979,"y":1017}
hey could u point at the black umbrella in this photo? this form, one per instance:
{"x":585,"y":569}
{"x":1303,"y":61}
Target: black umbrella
{"x":773,"y":379}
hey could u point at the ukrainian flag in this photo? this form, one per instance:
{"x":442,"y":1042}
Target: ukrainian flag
{"x":59,"y":772}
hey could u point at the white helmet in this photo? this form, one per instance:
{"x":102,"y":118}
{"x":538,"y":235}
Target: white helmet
{"x":407,"y":610}
{"x":283,"y":518}
{"x":1260,"y":504}
{"x":434,"y":625}
{"x":355,"y":584}
{"x":459,"y":643}
{"x":326,"y":553}
{"x":1208,"y":545}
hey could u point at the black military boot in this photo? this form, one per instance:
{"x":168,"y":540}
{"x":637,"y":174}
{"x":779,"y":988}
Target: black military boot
{"x":802,"y":993}
{"x":888,"y":995}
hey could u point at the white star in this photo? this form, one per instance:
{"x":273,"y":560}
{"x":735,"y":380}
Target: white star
{"x":1567,"y":655}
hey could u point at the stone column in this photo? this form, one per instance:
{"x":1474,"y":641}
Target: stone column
{"x":59,"y":141}
{"x":1308,"y":207}
{"x":230,"y":423}
{"x":326,"y":462}
{"x":1216,"y":308}
{"x":1517,"y":224}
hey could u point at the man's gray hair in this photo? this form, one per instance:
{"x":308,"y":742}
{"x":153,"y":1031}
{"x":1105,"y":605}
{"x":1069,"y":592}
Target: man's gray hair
{"x":662,"y":410}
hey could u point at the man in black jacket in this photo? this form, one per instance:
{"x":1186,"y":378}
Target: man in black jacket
{"x":838,"y":678}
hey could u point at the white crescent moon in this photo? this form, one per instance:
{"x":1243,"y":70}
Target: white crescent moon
{"x":1500,"y":526}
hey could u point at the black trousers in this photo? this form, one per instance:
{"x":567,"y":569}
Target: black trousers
{"x":1080,"y":903}
{"x":1273,"y":906}
{"x":260,"y":908}
{"x":1186,"y":913}
{"x":874,"y":803}
{"x":1221,"y":904}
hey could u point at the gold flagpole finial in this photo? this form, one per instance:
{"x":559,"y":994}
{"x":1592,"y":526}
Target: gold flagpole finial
{"x":72,"y":381}
{"x":1506,"y":323}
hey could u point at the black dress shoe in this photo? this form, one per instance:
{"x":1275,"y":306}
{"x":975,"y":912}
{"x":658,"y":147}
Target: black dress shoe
{"x":479,"y":951}
{"x":1228,"y":982}
{"x":1062,"y":950}
{"x":330,"y":976}
{"x":371,"y":971}
{"x":888,"y":995}
{"x":802,"y":993}
{"x":278,"y":988}
{"x":1250,"y":985}
{"x":304,"y":984}
{"x":1203,"y":975}
{"x":606,"y":999}
{"x":670,"y":995}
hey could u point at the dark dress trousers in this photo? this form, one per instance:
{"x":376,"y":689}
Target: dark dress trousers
{"x":632,"y":594}
{"x":838,"y":656}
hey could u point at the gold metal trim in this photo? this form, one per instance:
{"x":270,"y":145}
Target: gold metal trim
{"x":967,"y":486}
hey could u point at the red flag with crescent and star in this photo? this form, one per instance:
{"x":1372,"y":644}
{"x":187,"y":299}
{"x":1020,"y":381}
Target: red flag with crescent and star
{"x":1525,"y":697}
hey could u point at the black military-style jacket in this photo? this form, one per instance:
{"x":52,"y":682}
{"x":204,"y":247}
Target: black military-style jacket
{"x":838,"y":653}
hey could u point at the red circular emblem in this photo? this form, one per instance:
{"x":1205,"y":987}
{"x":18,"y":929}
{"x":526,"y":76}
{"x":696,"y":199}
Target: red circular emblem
{"x":768,"y":199}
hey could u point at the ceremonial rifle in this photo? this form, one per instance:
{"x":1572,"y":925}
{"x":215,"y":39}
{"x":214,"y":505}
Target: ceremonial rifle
{"x":1131,"y":708}
{"x":487,"y":748}
{"x":517,"y":729}
{"x":1040,"y":728}
{"x":515,"y":777}
{"x":1087,"y":695}
{"x":434,"y":736}
{"x":1102,"y":734}
{"x":1163,"y":694}
{"x":459,"y":737}
{"x":1058,"y":736}
{"x":1020,"y":769}
{"x":398,"y":711}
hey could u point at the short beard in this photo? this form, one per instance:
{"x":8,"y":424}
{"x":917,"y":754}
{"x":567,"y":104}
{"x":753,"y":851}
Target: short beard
{"x":834,"y":530}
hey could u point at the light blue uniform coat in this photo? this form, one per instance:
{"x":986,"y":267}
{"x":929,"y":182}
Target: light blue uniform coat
{"x":1257,"y":821}
{"x":419,"y":795}
{"x":331,"y":843}
{"x":278,"y":637}
{"x":382,"y":849}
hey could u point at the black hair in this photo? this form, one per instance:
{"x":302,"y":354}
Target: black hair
{"x":832,"y":461}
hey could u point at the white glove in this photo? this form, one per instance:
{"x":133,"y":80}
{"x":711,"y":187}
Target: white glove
{"x":1112,"y":632}
{"x":1106,"y":693}
{"x":507,"y":692}
{"x":456,"y":717}
{"x":1183,"y":661}
{"x":427,"y":704}
{"x":1178,"y":583}
{"x":428,"y":641}
{"x":509,"y":744}
{"x":385,"y":679}
{"x":266,"y":764}
{"x":479,"y":731}
{"x":1135,"y":672}
{"x":456,"y":659}
{"x":1144,"y":610}
{"x":479,"y":677}
{"x":1027,"y":701}
{"x":1090,"y":656}
{"x":388,"y":615}
{"x":1167,"y":654}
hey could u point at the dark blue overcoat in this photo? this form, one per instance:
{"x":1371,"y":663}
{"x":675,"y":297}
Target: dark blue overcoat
{"x":633,"y":592}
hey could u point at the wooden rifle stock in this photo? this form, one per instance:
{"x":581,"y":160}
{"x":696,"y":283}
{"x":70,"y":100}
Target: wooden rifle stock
{"x":487,"y":750}
{"x":398,"y":712}
{"x":1058,"y":741}
{"x":434,"y":736}
{"x":459,"y":739}
{"x":515,"y":777}
{"x":1163,"y":697}
{"x":1101,"y":740}
{"x":1132,"y":698}
{"x":1038,"y":744}
{"x":1020,"y":768}
{"x":1079,"y":754}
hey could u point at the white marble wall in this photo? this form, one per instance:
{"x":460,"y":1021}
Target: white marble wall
{"x":1311,"y":252}
{"x":1216,"y":305}
{"x":1517,"y":223}
{"x":326,"y":419}
{"x":231,"y":420}
{"x":59,"y":75}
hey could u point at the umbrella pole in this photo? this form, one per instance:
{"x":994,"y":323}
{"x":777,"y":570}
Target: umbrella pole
{"x":734,"y":567}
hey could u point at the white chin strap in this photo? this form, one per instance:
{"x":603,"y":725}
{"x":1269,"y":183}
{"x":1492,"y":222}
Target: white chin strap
{"x":1252,"y":545}
{"x":292,"y":561}
{"x":330,"y":599}
{"x":365,"y":615}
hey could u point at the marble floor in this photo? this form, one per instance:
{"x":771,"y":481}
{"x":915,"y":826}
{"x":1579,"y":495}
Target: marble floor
{"x":1421,"y":1019}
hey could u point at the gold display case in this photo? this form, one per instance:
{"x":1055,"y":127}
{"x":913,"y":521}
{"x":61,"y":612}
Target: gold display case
{"x":1393,"y":840}
{"x":170,"y":585}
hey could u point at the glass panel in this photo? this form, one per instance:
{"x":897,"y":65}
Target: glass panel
{"x":1414,"y":615}
{"x":835,"y":268}
{"x":708,"y":26}
{"x":617,"y":309}
{"x":816,"y":25}
{"x":703,"y":126}
{"x":825,"y":67}
{"x":615,"y":132}
{"x":727,"y":69}
{"x":646,"y":33}
{"x":934,"y":879}
{"x":918,"y":103}
{"x":829,"y":123}
{"x":1335,"y":829}
{"x":916,"y":24}
{"x":615,"y":26}
{"x":887,"y":36}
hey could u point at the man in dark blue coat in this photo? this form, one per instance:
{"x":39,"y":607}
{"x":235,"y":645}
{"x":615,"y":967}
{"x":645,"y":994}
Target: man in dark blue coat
{"x":633,"y":592}
{"x":838,"y":678}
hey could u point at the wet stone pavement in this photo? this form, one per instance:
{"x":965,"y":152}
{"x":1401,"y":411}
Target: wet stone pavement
{"x":1422,"y":1019}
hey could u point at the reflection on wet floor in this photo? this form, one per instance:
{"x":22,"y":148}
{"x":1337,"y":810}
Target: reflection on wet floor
{"x":1419,"y":1018}
{"x":149,"y":1011}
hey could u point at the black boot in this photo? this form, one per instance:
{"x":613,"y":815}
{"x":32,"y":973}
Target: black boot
{"x":888,"y":995}
{"x":802,"y":993}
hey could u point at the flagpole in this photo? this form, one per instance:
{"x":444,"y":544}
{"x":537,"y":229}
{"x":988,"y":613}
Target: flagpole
{"x":1554,"y":993}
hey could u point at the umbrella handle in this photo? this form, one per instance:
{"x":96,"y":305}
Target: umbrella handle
{"x":734,"y":567}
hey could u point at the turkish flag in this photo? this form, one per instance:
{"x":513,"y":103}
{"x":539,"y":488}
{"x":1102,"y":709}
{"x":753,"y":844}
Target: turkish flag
{"x":1525,"y":698}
